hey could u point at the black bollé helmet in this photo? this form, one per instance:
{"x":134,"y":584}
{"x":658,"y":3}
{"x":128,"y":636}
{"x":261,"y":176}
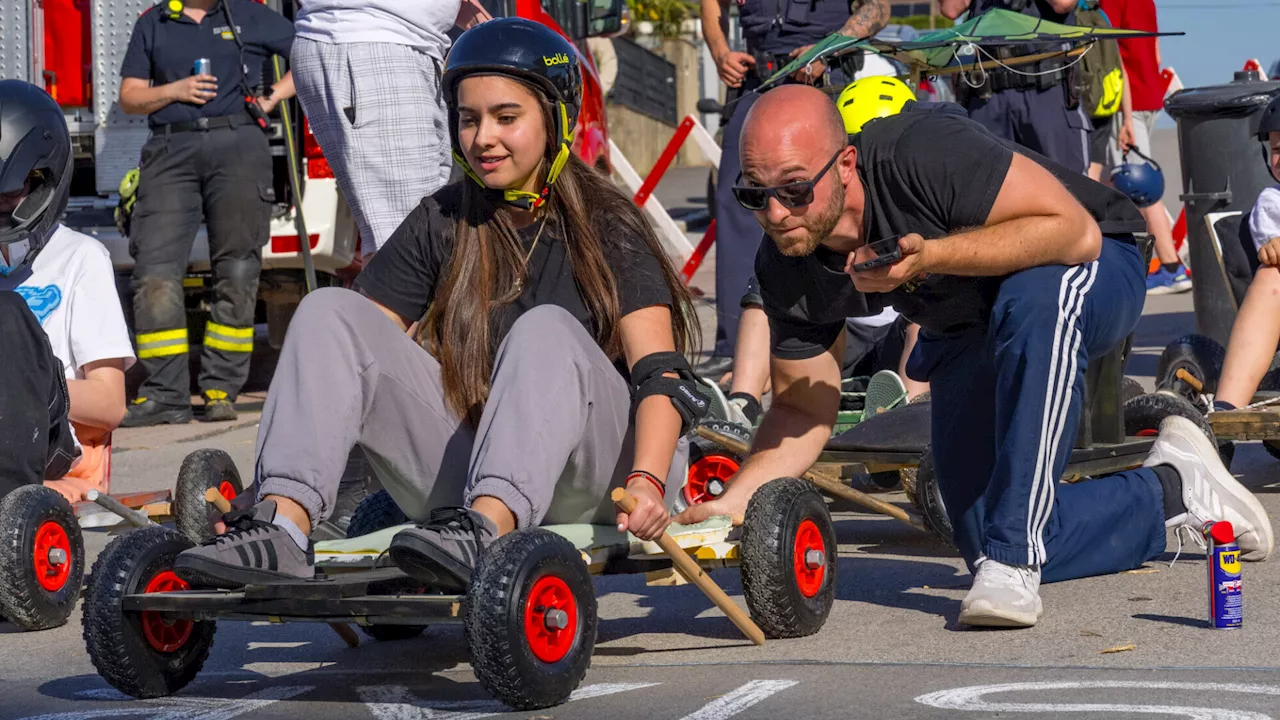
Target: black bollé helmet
{"x":1268,"y":123}
{"x":530,"y":52}
{"x":35,"y":147}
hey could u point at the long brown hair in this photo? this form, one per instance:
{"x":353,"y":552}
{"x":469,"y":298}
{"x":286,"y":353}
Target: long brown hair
{"x":488,"y":259}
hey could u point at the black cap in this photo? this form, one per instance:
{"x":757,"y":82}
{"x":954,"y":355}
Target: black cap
{"x":1269,"y":121}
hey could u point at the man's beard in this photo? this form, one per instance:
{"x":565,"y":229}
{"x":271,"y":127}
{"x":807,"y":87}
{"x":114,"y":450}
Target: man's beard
{"x":817,"y":228}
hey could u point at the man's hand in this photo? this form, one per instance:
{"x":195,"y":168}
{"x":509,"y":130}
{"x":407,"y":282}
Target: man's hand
{"x":1125,"y":138}
{"x":811,"y":72}
{"x":733,"y":67}
{"x":267,"y":103}
{"x":650,"y":518}
{"x":731,"y":503}
{"x":197,"y":89}
{"x":889,"y":277}
{"x":1269,"y":254}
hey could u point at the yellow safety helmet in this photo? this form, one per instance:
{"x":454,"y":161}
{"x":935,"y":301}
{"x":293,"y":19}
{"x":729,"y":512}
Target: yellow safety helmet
{"x":872,"y":97}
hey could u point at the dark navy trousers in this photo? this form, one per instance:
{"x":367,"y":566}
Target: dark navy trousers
{"x":1039,"y":120}
{"x":738,"y":235}
{"x":1006,"y":408}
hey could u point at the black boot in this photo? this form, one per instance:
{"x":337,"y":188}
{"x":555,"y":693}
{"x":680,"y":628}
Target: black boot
{"x":218,"y":407}
{"x":145,"y":413}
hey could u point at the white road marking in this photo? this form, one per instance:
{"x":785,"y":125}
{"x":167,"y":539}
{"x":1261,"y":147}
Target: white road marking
{"x":282,"y":669}
{"x":178,"y":708}
{"x":395,"y":702}
{"x":971,"y":699}
{"x":276,"y":645}
{"x":731,"y":704}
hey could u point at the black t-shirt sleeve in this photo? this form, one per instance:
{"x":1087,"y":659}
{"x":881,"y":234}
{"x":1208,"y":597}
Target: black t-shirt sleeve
{"x":137,"y":58}
{"x":403,"y":274}
{"x":955,"y":166}
{"x":638,"y":274}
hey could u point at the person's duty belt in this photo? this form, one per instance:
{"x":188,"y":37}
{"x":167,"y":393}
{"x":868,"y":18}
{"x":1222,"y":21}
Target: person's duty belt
{"x":204,"y":123}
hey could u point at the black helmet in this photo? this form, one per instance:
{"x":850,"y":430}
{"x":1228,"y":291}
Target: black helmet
{"x":35,"y":146}
{"x":527,"y":51}
{"x":1269,"y":122}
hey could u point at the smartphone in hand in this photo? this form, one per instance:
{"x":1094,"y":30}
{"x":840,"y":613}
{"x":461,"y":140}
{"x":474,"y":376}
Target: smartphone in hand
{"x":887,"y":252}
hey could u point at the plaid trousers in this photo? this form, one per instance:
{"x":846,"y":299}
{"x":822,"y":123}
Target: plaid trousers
{"x":377,"y":111}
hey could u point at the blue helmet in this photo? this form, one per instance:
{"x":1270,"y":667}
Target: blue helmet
{"x":1143,"y":182}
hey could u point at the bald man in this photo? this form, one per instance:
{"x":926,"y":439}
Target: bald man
{"x":1018,"y":271}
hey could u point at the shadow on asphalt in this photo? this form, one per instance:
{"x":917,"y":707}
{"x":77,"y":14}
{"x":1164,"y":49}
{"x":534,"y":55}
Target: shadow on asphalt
{"x":1172,"y":620}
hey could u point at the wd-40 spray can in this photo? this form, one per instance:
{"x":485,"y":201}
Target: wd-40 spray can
{"x":1226,"y":604}
{"x":203,"y":67}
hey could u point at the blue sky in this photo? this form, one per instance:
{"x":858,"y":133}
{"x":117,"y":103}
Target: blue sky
{"x":1220,"y":36}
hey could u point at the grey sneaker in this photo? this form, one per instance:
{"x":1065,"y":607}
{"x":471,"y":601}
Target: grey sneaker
{"x":885,"y":391}
{"x":1003,"y":596}
{"x":251,"y":552}
{"x":1210,"y":492}
{"x":444,"y":551}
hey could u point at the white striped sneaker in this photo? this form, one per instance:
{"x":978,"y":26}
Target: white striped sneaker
{"x":1210,"y":493}
{"x":1003,"y":596}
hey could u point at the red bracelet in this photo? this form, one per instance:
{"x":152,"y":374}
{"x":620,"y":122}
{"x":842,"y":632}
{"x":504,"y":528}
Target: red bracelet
{"x":662,"y":487}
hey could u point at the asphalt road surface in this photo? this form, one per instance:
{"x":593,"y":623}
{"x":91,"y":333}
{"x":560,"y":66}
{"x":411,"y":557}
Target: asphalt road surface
{"x":1117,"y":646}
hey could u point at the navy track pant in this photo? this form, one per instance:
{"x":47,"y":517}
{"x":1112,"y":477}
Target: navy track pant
{"x":1006,"y":408}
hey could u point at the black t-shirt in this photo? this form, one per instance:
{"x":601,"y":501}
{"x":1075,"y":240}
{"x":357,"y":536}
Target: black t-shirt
{"x":163,"y":50}
{"x":407,"y":270}
{"x":931,"y":172}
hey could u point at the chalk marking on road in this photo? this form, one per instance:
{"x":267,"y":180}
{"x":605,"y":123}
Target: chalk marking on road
{"x":283,"y":669}
{"x":971,"y":699}
{"x":396,"y":702}
{"x":731,"y":704}
{"x":180,"y":708}
{"x":276,"y":645}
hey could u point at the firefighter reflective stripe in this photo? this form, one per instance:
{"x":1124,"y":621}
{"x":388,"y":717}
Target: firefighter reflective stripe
{"x":162,"y":343}
{"x":230,"y":339}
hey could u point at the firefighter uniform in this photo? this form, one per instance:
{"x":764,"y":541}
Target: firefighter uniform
{"x":209,"y":163}
{"x":1034,"y":105}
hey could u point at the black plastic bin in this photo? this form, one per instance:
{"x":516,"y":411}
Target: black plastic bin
{"x":1222,"y":171}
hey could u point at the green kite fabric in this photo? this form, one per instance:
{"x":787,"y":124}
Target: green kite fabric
{"x":939,"y":48}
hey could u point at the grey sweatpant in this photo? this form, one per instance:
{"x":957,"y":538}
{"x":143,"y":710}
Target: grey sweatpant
{"x":552,"y":442}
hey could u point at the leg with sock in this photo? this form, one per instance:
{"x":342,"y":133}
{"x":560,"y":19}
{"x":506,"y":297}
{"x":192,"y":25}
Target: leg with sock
{"x":347,"y":375}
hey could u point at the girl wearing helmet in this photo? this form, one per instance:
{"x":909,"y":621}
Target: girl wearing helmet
{"x":1256,"y":332}
{"x":489,"y":368}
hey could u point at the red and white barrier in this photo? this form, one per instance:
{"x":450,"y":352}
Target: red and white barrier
{"x":675,"y":240}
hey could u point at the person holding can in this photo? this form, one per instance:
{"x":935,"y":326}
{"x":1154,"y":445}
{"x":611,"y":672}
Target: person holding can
{"x":194,"y":70}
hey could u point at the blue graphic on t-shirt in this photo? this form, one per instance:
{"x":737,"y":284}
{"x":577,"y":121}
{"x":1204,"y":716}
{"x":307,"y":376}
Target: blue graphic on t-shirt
{"x":42,"y":300}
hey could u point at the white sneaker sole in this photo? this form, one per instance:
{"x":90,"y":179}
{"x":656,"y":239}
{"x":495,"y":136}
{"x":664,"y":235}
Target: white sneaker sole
{"x":1227,"y":486}
{"x":981,"y":613}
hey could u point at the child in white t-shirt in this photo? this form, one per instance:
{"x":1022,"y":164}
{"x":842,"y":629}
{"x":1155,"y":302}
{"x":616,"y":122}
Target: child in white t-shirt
{"x":71,"y":290}
{"x":1256,"y":333}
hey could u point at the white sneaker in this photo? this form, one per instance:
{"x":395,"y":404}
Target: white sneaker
{"x":885,"y":391}
{"x":1003,"y":596}
{"x":1209,"y":491}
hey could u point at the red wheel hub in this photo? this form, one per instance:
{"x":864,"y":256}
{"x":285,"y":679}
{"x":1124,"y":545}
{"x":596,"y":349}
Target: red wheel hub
{"x":708,"y":476}
{"x":52,"y":556}
{"x":550,"y":619}
{"x":227,"y":490}
{"x":1148,"y":432}
{"x":164,"y":633}
{"x":810,"y":558}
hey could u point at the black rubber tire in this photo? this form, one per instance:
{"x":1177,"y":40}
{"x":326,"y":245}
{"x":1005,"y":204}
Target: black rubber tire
{"x":376,"y":512}
{"x":769,"y":581}
{"x":927,"y":497}
{"x":1144,"y":413}
{"x":501,"y":656}
{"x":114,"y":637}
{"x":203,"y":469}
{"x":23,"y":600}
{"x":1199,"y":355}
{"x":1130,"y":389}
{"x":358,"y":482}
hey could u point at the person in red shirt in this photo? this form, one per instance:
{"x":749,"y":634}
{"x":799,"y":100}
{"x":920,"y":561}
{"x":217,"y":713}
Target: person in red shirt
{"x":1144,"y":95}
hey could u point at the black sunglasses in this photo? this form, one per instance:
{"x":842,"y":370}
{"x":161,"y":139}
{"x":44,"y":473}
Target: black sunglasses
{"x":790,"y":195}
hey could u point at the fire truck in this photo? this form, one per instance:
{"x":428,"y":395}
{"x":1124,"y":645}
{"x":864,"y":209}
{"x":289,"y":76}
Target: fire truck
{"x":74,"y":49}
